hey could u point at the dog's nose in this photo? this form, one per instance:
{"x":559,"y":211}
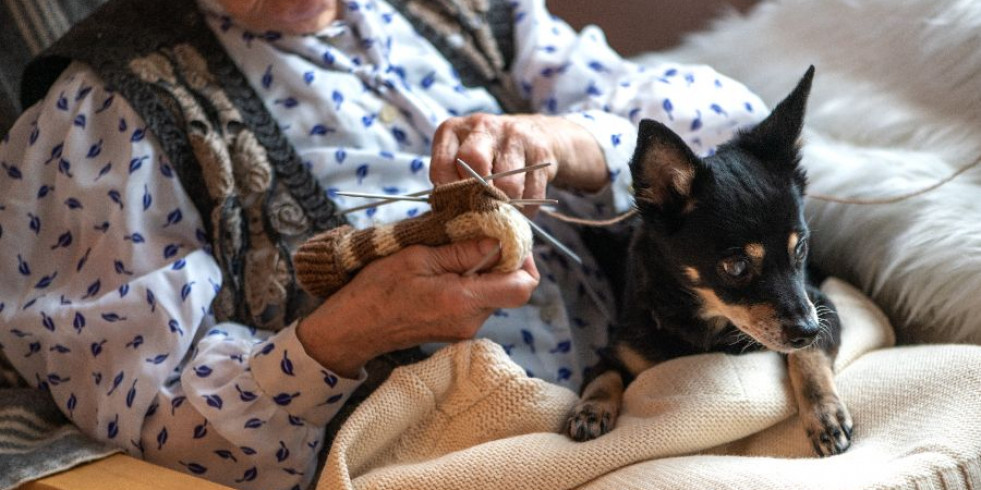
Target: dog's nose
{"x":801,"y":333}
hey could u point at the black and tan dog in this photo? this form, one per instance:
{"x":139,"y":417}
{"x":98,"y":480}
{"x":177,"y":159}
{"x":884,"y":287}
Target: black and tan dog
{"x":716,"y":263}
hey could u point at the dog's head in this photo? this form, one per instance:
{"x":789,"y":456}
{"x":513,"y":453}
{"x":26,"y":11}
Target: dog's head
{"x":731,"y":224}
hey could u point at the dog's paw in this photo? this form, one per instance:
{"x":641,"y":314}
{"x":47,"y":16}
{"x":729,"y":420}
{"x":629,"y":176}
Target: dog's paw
{"x":828,"y":425}
{"x":591,"y":419}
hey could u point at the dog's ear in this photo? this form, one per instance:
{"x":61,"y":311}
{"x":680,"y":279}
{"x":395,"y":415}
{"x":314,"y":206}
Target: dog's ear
{"x":663,"y":169}
{"x":776,"y":140}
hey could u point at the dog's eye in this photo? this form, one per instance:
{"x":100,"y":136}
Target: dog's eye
{"x":735,"y":267}
{"x":800,"y":251}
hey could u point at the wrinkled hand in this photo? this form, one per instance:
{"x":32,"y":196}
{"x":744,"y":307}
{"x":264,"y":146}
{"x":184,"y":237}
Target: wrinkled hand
{"x":414,"y":296}
{"x":497,"y":143}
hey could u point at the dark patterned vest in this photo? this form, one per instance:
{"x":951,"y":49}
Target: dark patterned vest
{"x":246,"y":180}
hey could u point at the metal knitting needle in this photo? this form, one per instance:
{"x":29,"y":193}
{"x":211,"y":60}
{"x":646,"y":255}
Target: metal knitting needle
{"x":484,"y":262}
{"x":535,"y":228}
{"x":389,"y":199}
{"x":534,"y":202}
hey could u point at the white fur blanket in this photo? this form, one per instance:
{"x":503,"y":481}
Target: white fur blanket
{"x":468,"y":418}
{"x":895,"y":107}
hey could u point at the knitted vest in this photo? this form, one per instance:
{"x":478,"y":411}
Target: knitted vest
{"x":254,"y":194}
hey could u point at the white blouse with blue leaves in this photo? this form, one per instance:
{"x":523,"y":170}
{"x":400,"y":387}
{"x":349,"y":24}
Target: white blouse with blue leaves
{"x":106,"y":284}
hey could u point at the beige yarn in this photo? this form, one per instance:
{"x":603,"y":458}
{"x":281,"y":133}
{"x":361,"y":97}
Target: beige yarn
{"x":468,"y":418}
{"x":462,"y":210}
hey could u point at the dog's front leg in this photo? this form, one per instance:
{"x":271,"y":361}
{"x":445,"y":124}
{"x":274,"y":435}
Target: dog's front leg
{"x":822,"y":413}
{"x":598,"y":407}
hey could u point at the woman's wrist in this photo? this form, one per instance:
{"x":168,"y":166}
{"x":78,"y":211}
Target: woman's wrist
{"x":581,"y":161}
{"x":329,"y":345}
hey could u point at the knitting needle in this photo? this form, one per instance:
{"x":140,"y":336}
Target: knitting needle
{"x":535,"y":228}
{"x":387,"y":197}
{"x":534,"y":201}
{"x":391,"y":199}
{"x":484,"y":262}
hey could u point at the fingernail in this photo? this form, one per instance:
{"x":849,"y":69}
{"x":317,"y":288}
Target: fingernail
{"x":487,"y":245}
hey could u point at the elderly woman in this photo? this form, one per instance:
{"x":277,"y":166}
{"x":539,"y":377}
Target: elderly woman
{"x":174,"y":153}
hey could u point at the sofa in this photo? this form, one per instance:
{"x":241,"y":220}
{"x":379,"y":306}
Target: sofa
{"x":894,"y":109}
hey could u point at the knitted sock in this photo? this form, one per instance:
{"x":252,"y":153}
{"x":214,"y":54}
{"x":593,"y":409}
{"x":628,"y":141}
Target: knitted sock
{"x":462,"y":210}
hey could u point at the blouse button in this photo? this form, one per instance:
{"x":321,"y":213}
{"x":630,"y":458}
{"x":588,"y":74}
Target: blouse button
{"x":388,"y":113}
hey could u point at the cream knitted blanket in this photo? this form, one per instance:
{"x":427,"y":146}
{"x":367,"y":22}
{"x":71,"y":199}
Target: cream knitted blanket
{"x":469,"y":418}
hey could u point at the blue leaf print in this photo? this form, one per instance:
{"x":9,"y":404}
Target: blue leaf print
{"x":120,"y":268}
{"x":56,"y":152}
{"x":152,"y":409}
{"x":47,"y":322}
{"x":253,"y":423}
{"x":179,"y":264}
{"x":64,"y":240}
{"x":104,"y":227}
{"x":72,"y":403}
{"x":563,"y":347}
{"x":138,"y":135}
{"x":176,"y":403}
{"x":194,"y":467}
{"x":528,"y":338}
{"x":615,"y":139}
{"x":247,"y":450}
{"x":286,"y":364}
{"x":158,"y":359}
{"x":97,"y":378}
{"x":593,"y":90}
{"x":200,"y":430}
{"x":338,"y":99}
{"x":308,"y":77}
{"x":748,"y":106}
{"x":33,"y":348}
{"x":113,"y":429}
{"x":82,"y":93}
{"x":95,"y":150}
{"x":564,"y":374}
{"x":416,"y":165}
{"x":112,"y":317}
{"x":202,"y":371}
{"x":73,"y":203}
{"x":244,"y":395}
{"x":79,"y":322}
{"x":295,"y":421}
{"x":43,"y":191}
{"x":175,"y":327}
{"x":151,"y":299}
{"x":225,"y":454}
{"x":250,"y":474}
{"x":62,"y":103}
{"x":116,"y":197}
{"x":368,"y":120}
{"x":551,"y":105}
{"x":400,"y":135}
{"x":161,"y":438}
{"x":171,"y":250}
{"x":60,"y":349}
{"x":282,"y":453}
{"x":213,"y":401}
{"x":35,"y":133}
{"x":668,"y":108}
{"x":105,"y":104}
{"x":13,"y":172}
{"x":186,"y":291}
{"x":131,"y":395}
{"x":284,"y":399}
{"x":65,"y":167}
{"x":123,"y":290}
{"x":632,"y":115}
{"x":136,"y":342}
{"x":340,"y":155}
{"x":55,"y":379}
{"x":334,"y":399}
{"x":22,"y":266}
{"x":266,"y":349}
{"x":122,"y":125}
{"x":696,"y":124}
{"x":93,"y":289}
{"x":135,"y":238}
{"x":386,"y":154}
{"x":321,"y":130}
{"x":428,"y":80}
{"x":34,"y":224}
{"x":137,"y":163}
{"x":362,"y":172}
{"x":329,"y":57}
{"x":174,"y":217}
{"x":46,"y":281}
{"x":690,"y":78}
{"x":718,"y":110}
{"x":288,"y":102}
{"x":267,"y":78}
{"x":166,"y":170}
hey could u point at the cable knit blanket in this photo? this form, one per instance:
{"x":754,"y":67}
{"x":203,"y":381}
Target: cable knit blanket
{"x":470,"y":418}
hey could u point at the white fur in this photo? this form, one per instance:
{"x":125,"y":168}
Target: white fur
{"x":895,"y":107}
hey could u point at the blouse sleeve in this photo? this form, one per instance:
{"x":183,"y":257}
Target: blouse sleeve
{"x":106,"y":296}
{"x":578,"y":75}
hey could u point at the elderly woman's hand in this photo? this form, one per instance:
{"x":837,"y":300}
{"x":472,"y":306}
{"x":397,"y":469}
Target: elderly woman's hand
{"x":493,"y":143}
{"x":414,"y":296}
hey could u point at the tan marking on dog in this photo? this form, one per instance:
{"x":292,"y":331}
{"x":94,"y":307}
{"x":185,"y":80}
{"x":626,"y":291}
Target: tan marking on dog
{"x":607,"y":386}
{"x":598,"y":408}
{"x":792,"y":244}
{"x":692,"y":274}
{"x":759,"y":321}
{"x":632,"y":360}
{"x":756,"y":252}
{"x":820,"y":408}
